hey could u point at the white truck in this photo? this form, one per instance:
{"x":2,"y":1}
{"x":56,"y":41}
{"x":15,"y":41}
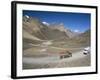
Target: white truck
{"x":86,"y":50}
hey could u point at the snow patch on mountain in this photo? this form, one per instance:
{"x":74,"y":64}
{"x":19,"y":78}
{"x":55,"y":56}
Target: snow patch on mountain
{"x":45,"y":23}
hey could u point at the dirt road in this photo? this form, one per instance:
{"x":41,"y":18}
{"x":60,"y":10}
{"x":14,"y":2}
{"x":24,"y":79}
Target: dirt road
{"x":77,"y":59}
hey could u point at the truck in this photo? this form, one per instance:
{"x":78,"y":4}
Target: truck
{"x":65,"y":54}
{"x":86,"y":50}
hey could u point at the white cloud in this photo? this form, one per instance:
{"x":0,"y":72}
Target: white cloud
{"x":46,"y":23}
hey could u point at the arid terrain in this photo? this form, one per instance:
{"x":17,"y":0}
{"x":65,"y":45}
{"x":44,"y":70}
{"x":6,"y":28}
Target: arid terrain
{"x":53,"y":61}
{"x":44,"y":45}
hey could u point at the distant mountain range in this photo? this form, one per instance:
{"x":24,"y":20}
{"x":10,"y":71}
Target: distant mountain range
{"x":46,"y":32}
{"x":36,"y":32}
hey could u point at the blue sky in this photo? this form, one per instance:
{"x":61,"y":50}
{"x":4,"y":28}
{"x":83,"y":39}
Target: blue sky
{"x":78,"y":22}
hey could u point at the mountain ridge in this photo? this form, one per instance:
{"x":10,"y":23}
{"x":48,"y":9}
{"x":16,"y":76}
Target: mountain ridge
{"x":36,"y":32}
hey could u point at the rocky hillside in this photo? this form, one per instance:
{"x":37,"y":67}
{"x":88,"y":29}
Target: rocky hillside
{"x":36,"y":28}
{"x":83,"y":39}
{"x":37,"y":32}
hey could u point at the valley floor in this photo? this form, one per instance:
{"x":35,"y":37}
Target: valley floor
{"x":78,"y":59}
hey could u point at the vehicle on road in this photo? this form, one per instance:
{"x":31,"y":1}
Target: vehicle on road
{"x":86,"y":50}
{"x":65,"y":54}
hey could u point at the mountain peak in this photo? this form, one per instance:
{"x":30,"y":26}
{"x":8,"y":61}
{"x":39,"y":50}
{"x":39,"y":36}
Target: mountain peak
{"x":45,"y":23}
{"x":59,"y":26}
{"x":27,"y":16}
